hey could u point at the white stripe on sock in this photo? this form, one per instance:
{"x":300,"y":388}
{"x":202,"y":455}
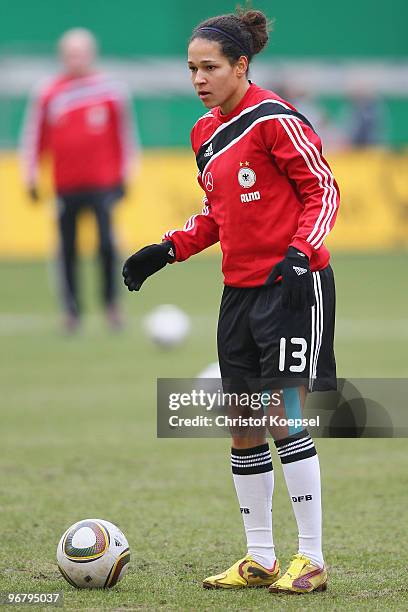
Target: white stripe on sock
{"x":298,"y":450}
{"x":293,"y":442}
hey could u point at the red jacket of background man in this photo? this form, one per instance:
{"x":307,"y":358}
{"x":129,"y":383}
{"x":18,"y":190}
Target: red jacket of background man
{"x":267,"y":187}
{"x":85,"y":124}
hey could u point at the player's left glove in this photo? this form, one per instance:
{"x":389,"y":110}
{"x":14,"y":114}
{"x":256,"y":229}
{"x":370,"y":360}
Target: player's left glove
{"x":297,"y":281}
{"x":146,"y":262}
{"x":32,"y":192}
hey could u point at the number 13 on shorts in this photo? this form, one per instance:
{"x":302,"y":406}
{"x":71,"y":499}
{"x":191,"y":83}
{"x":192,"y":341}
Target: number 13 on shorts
{"x":293,"y":350}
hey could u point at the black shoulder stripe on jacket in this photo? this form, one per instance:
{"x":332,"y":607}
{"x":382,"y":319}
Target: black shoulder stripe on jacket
{"x":236,"y":128}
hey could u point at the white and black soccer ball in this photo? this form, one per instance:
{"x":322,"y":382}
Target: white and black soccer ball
{"x":93,"y":554}
{"x":211,"y":371}
{"x":167,"y":325}
{"x":209,"y":379}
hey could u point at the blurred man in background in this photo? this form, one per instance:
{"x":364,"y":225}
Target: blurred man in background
{"x":366,"y":118}
{"x":81,"y":117}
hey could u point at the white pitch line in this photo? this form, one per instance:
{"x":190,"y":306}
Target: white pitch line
{"x":346,"y":329}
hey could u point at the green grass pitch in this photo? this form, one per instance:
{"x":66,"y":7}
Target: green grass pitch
{"x":78,"y":440}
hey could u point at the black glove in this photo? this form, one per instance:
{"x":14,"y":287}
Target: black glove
{"x":120,"y":191}
{"x":32,"y":193}
{"x":146,"y":262}
{"x":297,"y":281}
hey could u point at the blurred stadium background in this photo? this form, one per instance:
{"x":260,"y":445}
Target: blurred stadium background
{"x":345,"y":67}
{"x":79,"y":414}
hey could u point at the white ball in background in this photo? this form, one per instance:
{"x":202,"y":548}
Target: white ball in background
{"x":209,"y":379}
{"x":211,"y":371}
{"x":167,"y":325}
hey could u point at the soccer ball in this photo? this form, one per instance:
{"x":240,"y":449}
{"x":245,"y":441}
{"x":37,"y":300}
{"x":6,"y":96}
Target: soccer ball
{"x":211,"y":371}
{"x":93,"y":554}
{"x":167,"y":325}
{"x":209,"y":379}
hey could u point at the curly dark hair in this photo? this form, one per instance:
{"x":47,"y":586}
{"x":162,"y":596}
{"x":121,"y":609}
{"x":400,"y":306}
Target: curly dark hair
{"x":242,"y":33}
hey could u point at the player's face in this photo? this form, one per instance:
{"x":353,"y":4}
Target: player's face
{"x":215,"y":81}
{"x":78,"y":57}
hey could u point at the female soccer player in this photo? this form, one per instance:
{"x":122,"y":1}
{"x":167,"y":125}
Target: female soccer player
{"x":270,"y":199}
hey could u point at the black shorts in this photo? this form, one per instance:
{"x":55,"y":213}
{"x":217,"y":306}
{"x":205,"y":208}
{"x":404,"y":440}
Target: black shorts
{"x":258,"y":339}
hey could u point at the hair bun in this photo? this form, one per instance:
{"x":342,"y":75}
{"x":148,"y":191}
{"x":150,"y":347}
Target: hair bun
{"x":258,"y":26}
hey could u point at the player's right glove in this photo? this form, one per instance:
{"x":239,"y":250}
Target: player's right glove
{"x":146,"y":262}
{"x":120,"y":190}
{"x":297,"y":281}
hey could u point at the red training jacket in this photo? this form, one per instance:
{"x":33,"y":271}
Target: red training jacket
{"x":267,"y":187}
{"x":86,"y":125}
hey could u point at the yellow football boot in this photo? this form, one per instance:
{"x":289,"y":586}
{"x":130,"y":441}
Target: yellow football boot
{"x":301,"y":577}
{"x":244,"y":573}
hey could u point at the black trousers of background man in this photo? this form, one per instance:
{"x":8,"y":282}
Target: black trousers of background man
{"x":101,"y":203}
